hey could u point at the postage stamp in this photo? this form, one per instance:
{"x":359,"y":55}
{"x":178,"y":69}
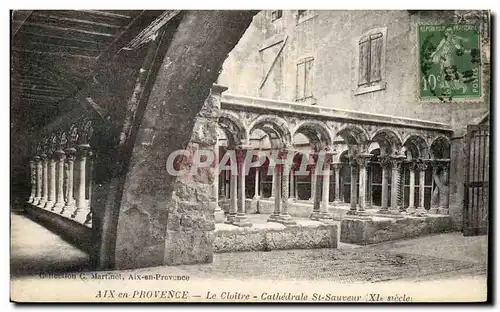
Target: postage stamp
{"x":250,"y":156}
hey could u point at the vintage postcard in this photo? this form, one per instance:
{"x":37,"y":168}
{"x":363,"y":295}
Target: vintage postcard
{"x":338,"y":156}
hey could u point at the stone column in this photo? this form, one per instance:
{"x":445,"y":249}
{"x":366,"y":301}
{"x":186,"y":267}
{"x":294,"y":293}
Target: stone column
{"x":59,"y":206}
{"x":363,"y":160}
{"x":227,"y":181}
{"x":32,"y":181}
{"x":396,"y":179}
{"x":256,"y":193}
{"x":315,"y":190}
{"x":314,"y":180}
{"x":218,"y":212}
{"x":273,"y":185}
{"x":386,"y":164}
{"x":336,"y":170}
{"x":45,"y":181}
{"x":90,"y":162}
{"x":292,"y":197}
{"x":233,"y":196}
{"x":39,"y":181}
{"x":436,"y":191}
{"x":369,"y":179}
{"x":284,"y":216}
{"x":81,"y":211}
{"x":422,"y":168}
{"x":325,"y":193}
{"x":241,"y":218}
{"x":70,"y":200}
{"x":443,"y":189}
{"x":275,"y":216}
{"x":411,"y":202}
{"x":354,"y":178}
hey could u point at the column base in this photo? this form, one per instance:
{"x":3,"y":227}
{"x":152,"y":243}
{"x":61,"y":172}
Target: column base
{"x":411,"y":210}
{"x":79,"y":216}
{"x":433,"y":210}
{"x":36,"y":201}
{"x":443,"y":211}
{"x":59,"y":207}
{"x":67,"y":210}
{"x":314,"y":215}
{"x":286,"y":219}
{"x":270,"y":198}
{"x":325,"y":216}
{"x":230,"y":218}
{"x":421,"y":211}
{"x":291,"y":200}
{"x":42,"y":203}
{"x":352,"y":212}
{"x":273,"y":218}
{"x":241,"y":220}
{"x":50,"y":205}
{"x":219,"y":216}
{"x":30,"y":200}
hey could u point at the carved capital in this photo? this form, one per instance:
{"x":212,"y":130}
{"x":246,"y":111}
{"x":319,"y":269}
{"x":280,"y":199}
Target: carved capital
{"x":385,"y":162}
{"x":363,"y":159}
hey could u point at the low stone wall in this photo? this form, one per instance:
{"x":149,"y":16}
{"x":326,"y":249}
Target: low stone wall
{"x":271,"y":236}
{"x":375,"y":229}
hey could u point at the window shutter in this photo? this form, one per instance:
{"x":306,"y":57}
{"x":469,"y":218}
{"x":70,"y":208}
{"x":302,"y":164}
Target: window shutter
{"x":300,"y":80}
{"x":308,"y":79}
{"x":376,"y":57}
{"x":364,"y":53}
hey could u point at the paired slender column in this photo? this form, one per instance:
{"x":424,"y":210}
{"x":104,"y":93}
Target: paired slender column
{"x":52,"y":178}
{"x":386,"y":164}
{"x":70,"y":200}
{"x":354,"y":189}
{"x":59,"y":181}
{"x":241,"y":218}
{"x":233,"y":196}
{"x":218,"y":212}
{"x":396,"y":179}
{"x":292,"y":197}
{"x":32,"y":181}
{"x":422,"y":168}
{"x":256,"y":195}
{"x":39,"y":180}
{"x":336,"y":170}
{"x":81,"y":210}
{"x":363,"y":160}
{"x":284,"y":216}
{"x":274,"y":217}
{"x":45,"y":181}
{"x":324,"y":212}
{"x":411,"y":201}
{"x":314,"y":181}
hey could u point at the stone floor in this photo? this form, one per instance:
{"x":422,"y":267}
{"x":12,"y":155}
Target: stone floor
{"x":436,"y":256}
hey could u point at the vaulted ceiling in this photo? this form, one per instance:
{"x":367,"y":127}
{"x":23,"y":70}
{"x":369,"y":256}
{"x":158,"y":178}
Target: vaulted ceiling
{"x":54,"y":54}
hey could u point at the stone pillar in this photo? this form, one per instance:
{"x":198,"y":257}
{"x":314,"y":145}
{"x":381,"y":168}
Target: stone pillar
{"x":386,"y":164}
{"x":363,"y":160}
{"x":233,"y":196}
{"x":411,"y":202}
{"x":336,"y":170}
{"x":273,"y":185}
{"x":315,"y":190}
{"x":81,"y":211}
{"x":436,"y":191}
{"x":90,"y":162}
{"x":292,"y":197}
{"x":45,"y":181}
{"x":70,"y":200}
{"x":59,"y":206}
{"x":51,"y":196}
{"x":241,"y":218}
{"x":32,"y":181}
{"x":275,"y":216}
{"x":443,"y":189}
{"x":284,"y":216}
{"x":314,"y":180}
{"x":325,"y":192}
{"x":256,"y":194}
{"x":354,"y":178}
{"x":39,"y":180}
{"x":422,"y":167}
{"x":396,"y":179}
{"x":218,"y":212}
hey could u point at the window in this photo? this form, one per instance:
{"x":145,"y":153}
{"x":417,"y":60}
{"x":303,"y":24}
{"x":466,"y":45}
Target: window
{"x":371,"y":56}
{"x":301,"y":14}
{"x":276,"y":14}
{"x":304,"y":15}
{"x":304,"y":79}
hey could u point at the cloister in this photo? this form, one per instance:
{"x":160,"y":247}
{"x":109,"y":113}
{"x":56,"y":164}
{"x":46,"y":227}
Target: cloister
{"x":398,"y":165}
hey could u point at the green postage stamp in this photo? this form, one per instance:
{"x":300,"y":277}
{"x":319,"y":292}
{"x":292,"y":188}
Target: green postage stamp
{"x":449,"y":61}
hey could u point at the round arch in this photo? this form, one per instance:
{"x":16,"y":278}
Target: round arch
{"x":353,"y":135}
{"x":235,"y":131}
{"x":417,"y":146}
{"x":389,"y":141}
{"x":315,"y":131}
{"x":440,"y":147}
{"x":273,"y":125}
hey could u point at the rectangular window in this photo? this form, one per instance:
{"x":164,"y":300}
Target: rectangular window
{"x":276,"y":14}
{"x":370,"y":59}
{"x":304,"y":84}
